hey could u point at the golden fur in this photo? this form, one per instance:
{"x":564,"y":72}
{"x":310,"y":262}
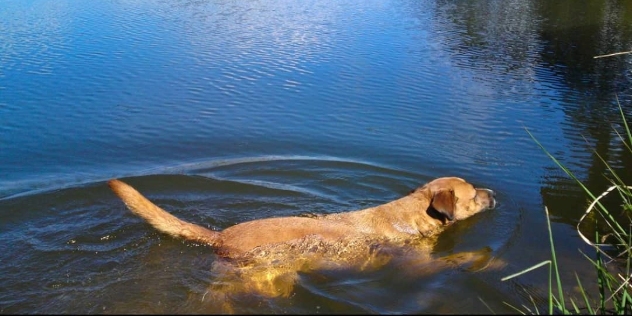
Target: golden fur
{"x":265,"y":255}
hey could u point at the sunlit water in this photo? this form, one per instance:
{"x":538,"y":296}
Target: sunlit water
{"x":224,"y":111}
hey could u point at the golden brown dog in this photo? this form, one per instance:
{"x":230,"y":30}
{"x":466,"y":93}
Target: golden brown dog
{"x":264,"y":255}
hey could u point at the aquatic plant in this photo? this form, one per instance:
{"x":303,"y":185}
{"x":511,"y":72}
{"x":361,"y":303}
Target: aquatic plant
{"x":612,"y":260}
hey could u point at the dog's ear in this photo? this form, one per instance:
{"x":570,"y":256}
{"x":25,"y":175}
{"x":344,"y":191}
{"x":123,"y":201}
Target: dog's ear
{"x":444,"y":201}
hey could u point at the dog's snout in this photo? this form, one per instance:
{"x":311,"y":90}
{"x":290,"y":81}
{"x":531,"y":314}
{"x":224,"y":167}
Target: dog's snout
{"x":492,"y":198}
{"x":492,"y":202}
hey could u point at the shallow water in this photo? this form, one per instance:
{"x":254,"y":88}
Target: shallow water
{"x":223,"y":112}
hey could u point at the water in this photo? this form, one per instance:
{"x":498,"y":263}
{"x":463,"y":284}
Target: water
{"x":224,"y":111}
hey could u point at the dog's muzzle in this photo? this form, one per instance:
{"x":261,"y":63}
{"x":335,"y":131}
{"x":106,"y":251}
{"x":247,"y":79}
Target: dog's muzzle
{"x":492,"y":198}
{"x":488,"y":196}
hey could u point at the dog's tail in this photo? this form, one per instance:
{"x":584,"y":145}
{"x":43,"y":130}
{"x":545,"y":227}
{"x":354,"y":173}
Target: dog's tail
{"x":160,"y":219}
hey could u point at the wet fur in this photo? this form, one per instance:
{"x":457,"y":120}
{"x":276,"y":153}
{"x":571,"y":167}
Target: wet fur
{"x":265,"y":255}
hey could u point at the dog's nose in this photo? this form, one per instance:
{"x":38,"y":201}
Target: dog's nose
{"x":492,"y":200}
{"x":490,"y":192}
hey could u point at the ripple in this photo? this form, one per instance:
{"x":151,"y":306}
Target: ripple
{"x":99,"y":246}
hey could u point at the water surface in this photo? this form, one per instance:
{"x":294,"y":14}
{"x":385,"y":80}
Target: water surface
{"x":224,"y":111}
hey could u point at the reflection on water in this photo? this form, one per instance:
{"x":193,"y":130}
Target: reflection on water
{"x":534,"y":44}
{"x":245,"y":110}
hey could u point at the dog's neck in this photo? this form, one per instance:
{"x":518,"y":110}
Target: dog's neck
{"x":406,"y":217}
{"x":413,"y":212}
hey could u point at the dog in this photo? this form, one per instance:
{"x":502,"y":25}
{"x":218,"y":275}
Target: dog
{"x":265,"y":255}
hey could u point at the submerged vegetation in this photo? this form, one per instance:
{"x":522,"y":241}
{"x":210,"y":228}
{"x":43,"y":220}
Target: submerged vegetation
{"x":612,"y":244}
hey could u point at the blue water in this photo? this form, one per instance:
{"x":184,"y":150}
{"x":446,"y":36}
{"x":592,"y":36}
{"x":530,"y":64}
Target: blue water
{"x":228,"y":111}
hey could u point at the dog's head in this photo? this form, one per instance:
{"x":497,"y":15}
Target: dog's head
{"x":456,"y":199}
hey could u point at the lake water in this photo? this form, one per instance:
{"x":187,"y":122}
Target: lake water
{"x":227,"y":111}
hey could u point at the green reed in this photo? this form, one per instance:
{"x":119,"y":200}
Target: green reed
{"x":612,"y":260}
